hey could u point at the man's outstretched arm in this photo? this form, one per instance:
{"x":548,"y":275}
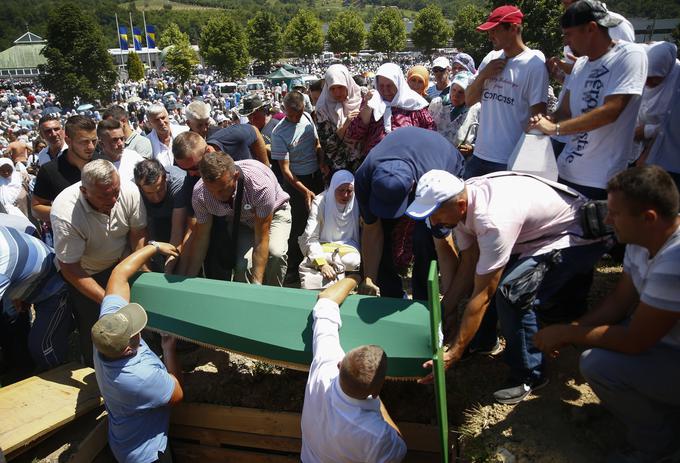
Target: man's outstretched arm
{"x":339,"y":291}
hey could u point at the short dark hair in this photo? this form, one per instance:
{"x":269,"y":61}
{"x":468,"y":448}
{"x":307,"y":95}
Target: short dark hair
{"x":108,"y":124}
{"x":185,"y":144}
{"x":647,"y":187}
{"x":317,"y":85}
{"x":214,"y":165}
{"x":148,"y":171}
{"x":78,"y":122}
{"x":116,"y":112}
{"x":49,"y":117}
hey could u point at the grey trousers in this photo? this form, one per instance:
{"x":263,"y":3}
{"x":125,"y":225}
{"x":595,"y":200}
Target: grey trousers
{"x":643,"y":391}
{"x":277,"y":264}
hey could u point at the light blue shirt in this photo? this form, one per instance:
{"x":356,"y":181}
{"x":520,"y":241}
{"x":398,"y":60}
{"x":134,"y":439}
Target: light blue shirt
{"x":297,"y":144}
{"x":136,"y":393}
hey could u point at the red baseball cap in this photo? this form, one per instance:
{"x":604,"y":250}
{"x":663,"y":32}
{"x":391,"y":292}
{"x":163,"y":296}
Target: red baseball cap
{"x":503,"y":14}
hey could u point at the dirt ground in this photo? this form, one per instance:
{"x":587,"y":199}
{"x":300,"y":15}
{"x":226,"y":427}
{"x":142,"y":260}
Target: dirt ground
{"x":561,"y":423}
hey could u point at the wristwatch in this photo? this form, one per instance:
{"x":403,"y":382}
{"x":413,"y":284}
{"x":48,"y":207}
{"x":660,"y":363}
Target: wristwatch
{"x":154,"y":244}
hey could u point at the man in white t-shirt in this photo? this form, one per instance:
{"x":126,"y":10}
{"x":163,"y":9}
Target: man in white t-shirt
{"x":632,"y":363}
{"x":520,"y":244}
{"x":601,"y":100}
{"x":162,"y":134}
{"x":343,"y":418}
{"x":511,"y":84}
{"x":112,"y":142}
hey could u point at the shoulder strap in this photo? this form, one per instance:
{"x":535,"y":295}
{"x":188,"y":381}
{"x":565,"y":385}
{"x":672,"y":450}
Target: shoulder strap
{"x":558,"y":186}
{"x":235,"y":225}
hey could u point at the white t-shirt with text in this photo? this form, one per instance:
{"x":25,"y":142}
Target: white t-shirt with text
{"x":592,"y":158}
{"x":506,"y":102}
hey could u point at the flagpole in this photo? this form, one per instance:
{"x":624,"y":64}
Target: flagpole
{"x":146,"y":39}
{"x":120,"y":43}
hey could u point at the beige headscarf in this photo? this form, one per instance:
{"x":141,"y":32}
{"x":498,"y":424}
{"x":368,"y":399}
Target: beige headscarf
{"x":327,"y":109}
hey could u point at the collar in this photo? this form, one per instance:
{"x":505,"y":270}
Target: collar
{"x":370,"y":404}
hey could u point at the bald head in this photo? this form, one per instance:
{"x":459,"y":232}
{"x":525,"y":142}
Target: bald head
{"x":362,"y":371}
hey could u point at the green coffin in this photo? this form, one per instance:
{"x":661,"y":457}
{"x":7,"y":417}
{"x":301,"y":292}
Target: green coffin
{"x":275,"y":324}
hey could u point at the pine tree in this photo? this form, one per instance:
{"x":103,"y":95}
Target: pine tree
{"x":135,"y":68}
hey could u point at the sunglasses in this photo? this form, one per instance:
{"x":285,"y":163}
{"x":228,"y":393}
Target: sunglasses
{"x":438,"y":69}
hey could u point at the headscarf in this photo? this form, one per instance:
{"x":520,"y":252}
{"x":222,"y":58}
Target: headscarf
{"x":327,"y":109}
{"x":405,"y":98}
{"x":662,"y":63}
{"x":423,"y":73}
{"x":466,"y":61}
{"x":340,"y":226}
{"x":10,"y":188}
{"x":462,"y":79}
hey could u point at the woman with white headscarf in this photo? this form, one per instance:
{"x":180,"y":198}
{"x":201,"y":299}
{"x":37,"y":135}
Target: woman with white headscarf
{"x":390,"y":106}
{"x":338,"y":104}
{"x":457,"y":121}
{"x":330,"y":242}
{"x":662,"y":77}
{"x":13,"y":195}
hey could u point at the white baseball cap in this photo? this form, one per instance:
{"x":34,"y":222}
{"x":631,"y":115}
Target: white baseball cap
{"x":441,"y":62}
{"x":434,"y":188}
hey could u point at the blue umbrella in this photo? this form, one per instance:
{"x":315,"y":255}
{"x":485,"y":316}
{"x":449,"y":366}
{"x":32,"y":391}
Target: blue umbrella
{"x":51,"y":110}
{"x":84,"y":107}
{"x":26,"y":123}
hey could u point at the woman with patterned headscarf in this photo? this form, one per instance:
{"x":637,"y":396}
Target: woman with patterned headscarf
{"x":390,"y":106}
{"x":338,"y":104}
{"x":457,"y":121}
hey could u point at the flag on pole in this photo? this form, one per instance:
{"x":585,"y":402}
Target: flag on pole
{"x":123,"y":37}
{"x":138,"y":38}
{"x":151,"y":36}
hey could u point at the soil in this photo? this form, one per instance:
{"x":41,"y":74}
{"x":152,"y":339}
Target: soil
{"x":562,"y":422}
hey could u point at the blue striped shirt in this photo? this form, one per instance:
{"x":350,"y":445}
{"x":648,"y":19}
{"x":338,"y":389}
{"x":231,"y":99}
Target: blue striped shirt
{"x":657,"y":280}
{"x":27,"y":270}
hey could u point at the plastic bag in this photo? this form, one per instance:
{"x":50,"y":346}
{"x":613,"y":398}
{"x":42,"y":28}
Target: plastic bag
{"x":534,"y":154}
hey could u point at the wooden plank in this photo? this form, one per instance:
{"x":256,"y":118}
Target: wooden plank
{"x":41,"y":404}
{"x":248,"y":420}
{"x":218,"y":437}
{"x":189,"y":453}
{"x":418,"y":437}
{"x":94,"y":442}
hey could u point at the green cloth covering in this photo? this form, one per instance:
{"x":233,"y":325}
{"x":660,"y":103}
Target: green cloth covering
{"x":275,"y":323}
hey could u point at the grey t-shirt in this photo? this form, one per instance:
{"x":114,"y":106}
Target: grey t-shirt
{"x":178,"y":196}
{"x":657,"y":280}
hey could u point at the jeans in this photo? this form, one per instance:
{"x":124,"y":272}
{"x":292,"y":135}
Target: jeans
{"x":518,"y":324}
{"x":48,"y":339}
{"x":642,"y":391}
{"x":476,"y":167}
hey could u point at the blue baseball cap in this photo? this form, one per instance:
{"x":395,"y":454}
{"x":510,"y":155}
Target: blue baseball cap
{"x":391,"y":186}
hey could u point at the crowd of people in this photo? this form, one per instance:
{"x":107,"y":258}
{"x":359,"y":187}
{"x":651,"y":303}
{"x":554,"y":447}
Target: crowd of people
{"x":359,"y":183}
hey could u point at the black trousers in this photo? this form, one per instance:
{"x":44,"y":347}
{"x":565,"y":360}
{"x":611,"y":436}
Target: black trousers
{"x":86,"y":312}
{"x":424,"y":252}
{"x":300,"y":214}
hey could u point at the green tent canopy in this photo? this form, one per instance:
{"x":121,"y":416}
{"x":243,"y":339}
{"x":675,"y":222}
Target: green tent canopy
{"x":282,"y":74}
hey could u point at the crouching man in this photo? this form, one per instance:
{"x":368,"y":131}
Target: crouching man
{"x":343,"y":418}
{"x":634,"y":333}
{"x":520,"y":242}
{"x":136,"y":386}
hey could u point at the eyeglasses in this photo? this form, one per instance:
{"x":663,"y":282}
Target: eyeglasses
{"x":438,"y":69}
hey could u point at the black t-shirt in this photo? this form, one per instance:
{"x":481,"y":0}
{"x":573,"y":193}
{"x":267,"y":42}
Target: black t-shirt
{"x":54,"y":177}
